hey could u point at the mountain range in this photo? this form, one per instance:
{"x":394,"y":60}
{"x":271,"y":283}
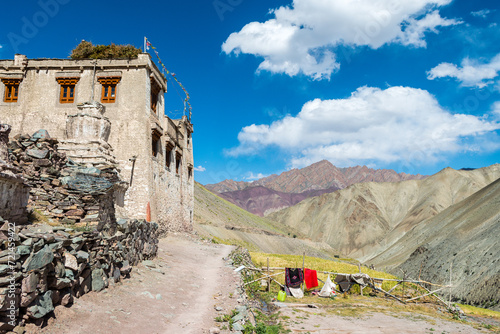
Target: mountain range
{"x":427,"y":227}
{"x":451,"y":218}
{"x":275,"y":192}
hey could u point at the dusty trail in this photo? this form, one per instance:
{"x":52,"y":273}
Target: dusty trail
{"x":178,"y":295}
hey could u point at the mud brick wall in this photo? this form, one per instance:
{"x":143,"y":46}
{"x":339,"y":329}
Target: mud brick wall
{"x":43,"y":266}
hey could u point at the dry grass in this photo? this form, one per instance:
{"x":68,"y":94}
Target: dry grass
{"x":337,"y":266}
{"x":481,"y":312}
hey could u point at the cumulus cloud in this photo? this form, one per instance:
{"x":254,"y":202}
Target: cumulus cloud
{"x":372,"y":125}
{"x":471,"y":73}
{"x":252,"y":177}
{"x":200,"y":169}
{"x":481,"y":13}
{"x":302,"y":37}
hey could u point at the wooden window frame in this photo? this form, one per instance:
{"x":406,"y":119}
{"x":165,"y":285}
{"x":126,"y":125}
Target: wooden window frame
{"x":109,"y":89}
{"x":67,"y":84}
{"x":11,"y":94}
{"x":155,"y":91}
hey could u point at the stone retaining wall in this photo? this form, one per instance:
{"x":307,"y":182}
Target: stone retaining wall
{"x":43,"y":266}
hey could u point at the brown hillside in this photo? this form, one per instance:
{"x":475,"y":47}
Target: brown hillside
{"x":466,"y":236}
{"x":365,"y":219}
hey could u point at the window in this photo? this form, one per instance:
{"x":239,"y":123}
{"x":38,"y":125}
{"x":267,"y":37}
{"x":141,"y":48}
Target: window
{"x":108,"y":94}
{"x":155,"y":91}
{"x":168,"y":154}
{"x":178,"y":158}
{"x":190,"y":172}
{"x":11,"y":89}
{"x":67,"y":94}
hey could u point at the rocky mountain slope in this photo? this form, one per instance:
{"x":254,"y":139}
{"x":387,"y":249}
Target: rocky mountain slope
{"x":365,"y":219}
{"x":276,"y":192}
{"x":216,"y":217}
{"x":463,"y":238}
{"x":262,"y":201}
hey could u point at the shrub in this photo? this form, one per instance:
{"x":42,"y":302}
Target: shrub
{"x":86,"y":50}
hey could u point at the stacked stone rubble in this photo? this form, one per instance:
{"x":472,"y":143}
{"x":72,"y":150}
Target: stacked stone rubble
{"x":44,"y":266}
{"x":14,"y":191}
{"x":62,"y":190}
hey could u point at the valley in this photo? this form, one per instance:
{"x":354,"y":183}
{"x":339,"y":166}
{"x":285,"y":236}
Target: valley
{"x":421,"y":226}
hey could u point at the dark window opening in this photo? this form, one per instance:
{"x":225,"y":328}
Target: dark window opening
{"x":155,"y":91}
{"x":168,"y":155}
{"x":190,"y":173}
{"x":155,"y":143}
{"x":178,"y":158}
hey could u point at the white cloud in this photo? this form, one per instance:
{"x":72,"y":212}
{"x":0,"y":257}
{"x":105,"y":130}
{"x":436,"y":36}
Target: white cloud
{"x":496,"y":109}
{"x":301,"y":38}
{"x":200,"y":169}
{"x":252,"y":177}
{"x":471,"y":73}
{"x":481,"y":13}
{"x":391,"y":125}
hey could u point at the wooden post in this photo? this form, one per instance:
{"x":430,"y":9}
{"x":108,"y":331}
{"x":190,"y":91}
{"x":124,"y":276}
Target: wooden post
{"x":404,"y":277}
{"x":360,"y":286}
{"x":303,"y":269}
{"x":449,"y":297}
{"x":269,"y":279}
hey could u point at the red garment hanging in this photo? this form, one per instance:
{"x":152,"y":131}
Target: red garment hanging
{"x":310,"y":278}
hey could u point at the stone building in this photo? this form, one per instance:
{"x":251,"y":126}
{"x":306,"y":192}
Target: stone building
{"x":108,"y":111}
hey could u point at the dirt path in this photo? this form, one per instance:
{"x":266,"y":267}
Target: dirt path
{"x":178,"y":294}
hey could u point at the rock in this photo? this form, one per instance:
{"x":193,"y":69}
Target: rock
{"x":98,"y":283}
{"x":60,"y":283}
{"x":59,"y":269}
{"x":40,"y":134}
{"x":69,"y":274}
{"x":27,"y":299}
{"x":214,"y":330}
{"x":67,"y":299}
{"x":76,"y":212}
{"x":149,"y":264}
{"x":116,"y":275}
{"x":238,"y":327}
{"x":70,"y":261}
{"x":6,"y":280}
{"x":148,"y":294}
{"x":42,"y":306}
{"x":36,"y":153}
{"x":4,"y":269}
{"x":23,"y":250}
{"x":82,"y":256}
{"x":56,"y":296}
{"x":218,"y":308}
{"x":29,"y":283}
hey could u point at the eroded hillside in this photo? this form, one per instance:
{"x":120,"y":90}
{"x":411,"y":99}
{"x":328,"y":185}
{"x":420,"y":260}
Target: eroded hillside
{"x":216,"y":217}
{"x":365,"y":219}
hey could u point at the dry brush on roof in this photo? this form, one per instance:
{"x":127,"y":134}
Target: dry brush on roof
{"x":86,"y":50}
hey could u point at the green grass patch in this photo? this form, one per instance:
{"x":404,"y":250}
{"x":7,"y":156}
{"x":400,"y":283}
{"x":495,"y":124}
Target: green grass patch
{"x":482,"y":312}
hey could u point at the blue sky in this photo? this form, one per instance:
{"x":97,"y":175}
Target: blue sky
{"x":410,"y":85}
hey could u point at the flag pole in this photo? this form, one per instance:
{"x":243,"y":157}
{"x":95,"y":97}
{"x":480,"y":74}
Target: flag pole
{"x":145,"y":42}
